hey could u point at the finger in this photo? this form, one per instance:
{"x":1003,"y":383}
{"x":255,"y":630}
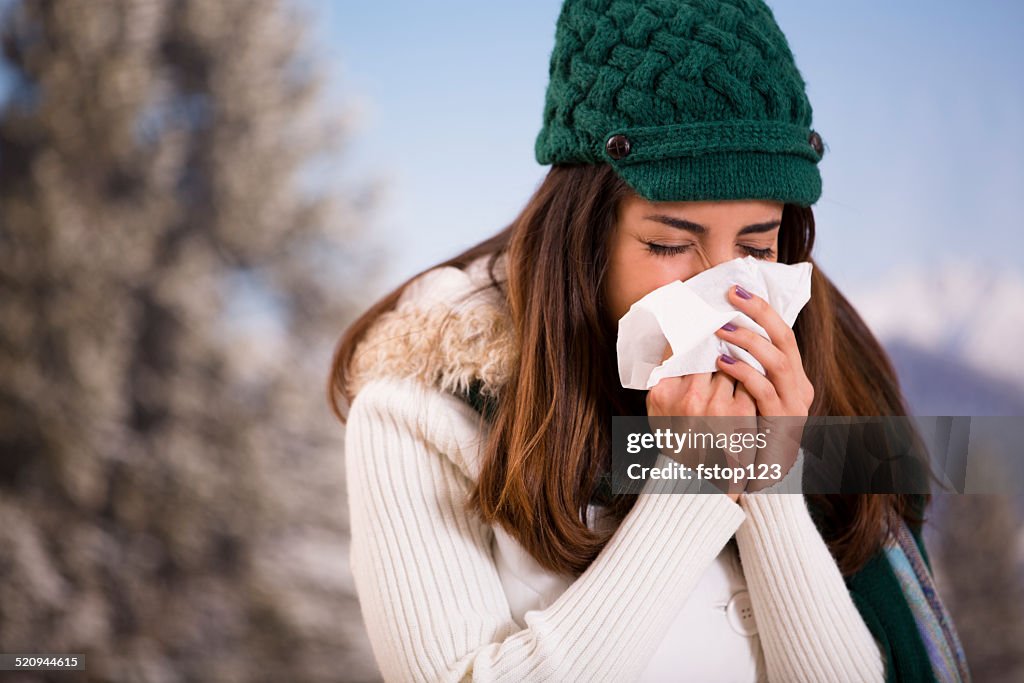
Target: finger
{"x":780,"y":334}
{"x":700,"y":381}
{"x":742,"y":398}
{"x":759,"y":386}
{"x":743,"y":403}
{"x":777,"y":365}
{"x":722,"y":386}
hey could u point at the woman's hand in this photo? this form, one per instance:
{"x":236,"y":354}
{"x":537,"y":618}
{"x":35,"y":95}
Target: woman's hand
{"x":784,"y":389}
{"x":697,"y":395}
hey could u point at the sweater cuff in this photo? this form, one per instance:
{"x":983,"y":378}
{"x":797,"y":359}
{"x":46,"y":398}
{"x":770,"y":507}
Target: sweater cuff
{"x":800,"y":596}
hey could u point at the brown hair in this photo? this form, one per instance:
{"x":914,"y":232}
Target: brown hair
{"x":550,"y":437}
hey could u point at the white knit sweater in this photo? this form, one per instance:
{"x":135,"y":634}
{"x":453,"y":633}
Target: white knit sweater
{"x":435,"y":604}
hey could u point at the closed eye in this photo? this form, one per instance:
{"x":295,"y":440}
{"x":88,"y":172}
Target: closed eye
{"x":666,"y":249}
{"x":766,"y":253}
{"x":673,"y":249}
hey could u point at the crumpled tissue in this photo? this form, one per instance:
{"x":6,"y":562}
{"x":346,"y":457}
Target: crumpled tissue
{"x":685,"y":314}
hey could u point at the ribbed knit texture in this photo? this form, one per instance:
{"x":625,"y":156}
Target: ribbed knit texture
{"x":798,"y":592}
{"x":434,"y":605}
{"x":707,"y":93}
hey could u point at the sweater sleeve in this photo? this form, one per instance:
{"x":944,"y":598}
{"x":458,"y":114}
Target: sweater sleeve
{"x":429,"y":591}
{"x":811,"y":629}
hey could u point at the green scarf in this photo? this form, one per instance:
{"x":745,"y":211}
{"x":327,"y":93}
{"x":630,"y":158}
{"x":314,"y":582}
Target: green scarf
{"x":876,"y":592}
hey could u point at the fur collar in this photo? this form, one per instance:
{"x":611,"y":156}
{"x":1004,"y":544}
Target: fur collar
{"x":442,"y":333}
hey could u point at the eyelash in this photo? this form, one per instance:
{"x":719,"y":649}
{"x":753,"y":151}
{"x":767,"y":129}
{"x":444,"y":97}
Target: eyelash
{"x":663,"y":250}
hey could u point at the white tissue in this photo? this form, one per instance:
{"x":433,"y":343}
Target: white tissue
{"x":685,"y":314}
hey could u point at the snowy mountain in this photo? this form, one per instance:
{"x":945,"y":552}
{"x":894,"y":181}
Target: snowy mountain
{"x":938,"y":384}
{"x":954,"y":333}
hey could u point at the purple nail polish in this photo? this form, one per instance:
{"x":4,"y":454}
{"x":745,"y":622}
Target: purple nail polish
{"x":729,"y":327}
{"x":726,"y":358}
{"x":742,"y":293}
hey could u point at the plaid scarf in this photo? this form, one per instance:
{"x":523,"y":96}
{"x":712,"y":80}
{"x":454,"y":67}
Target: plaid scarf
{"x":934,"y":625}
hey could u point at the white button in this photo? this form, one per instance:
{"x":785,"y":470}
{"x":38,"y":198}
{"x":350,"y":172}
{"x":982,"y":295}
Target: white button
{"x":740,"y":613}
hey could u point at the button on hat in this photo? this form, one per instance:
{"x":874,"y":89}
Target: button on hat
{"x":816,"y":143}
{"x":617,"y":146}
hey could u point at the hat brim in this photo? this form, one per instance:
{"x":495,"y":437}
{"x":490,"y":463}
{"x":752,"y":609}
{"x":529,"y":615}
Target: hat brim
{"x":786,"y":178}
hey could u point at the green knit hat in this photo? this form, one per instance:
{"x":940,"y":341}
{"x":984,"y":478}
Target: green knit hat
{"x":687,"y":100}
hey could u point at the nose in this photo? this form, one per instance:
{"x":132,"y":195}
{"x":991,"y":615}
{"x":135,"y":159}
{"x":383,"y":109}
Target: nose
{"x":713,"y":255}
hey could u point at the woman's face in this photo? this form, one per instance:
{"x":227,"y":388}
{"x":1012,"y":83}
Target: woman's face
{"x":655,"y":243}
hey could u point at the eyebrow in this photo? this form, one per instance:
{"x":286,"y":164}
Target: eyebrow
{"x":698,"y":229}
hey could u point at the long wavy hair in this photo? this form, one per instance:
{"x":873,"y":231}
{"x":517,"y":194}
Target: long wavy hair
{"x":550,"y":435}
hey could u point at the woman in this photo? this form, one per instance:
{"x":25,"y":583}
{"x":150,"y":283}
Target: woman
{"x":479,"y":396}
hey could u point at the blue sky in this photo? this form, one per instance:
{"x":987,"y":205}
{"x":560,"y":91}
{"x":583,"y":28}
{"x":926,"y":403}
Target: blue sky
{"x":920,"y":104}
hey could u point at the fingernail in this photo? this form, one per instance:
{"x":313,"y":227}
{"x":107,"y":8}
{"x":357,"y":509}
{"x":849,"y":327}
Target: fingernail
{"x":729,"y":327}
{"x":742,"y":293}
{"x":726,"y":358}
